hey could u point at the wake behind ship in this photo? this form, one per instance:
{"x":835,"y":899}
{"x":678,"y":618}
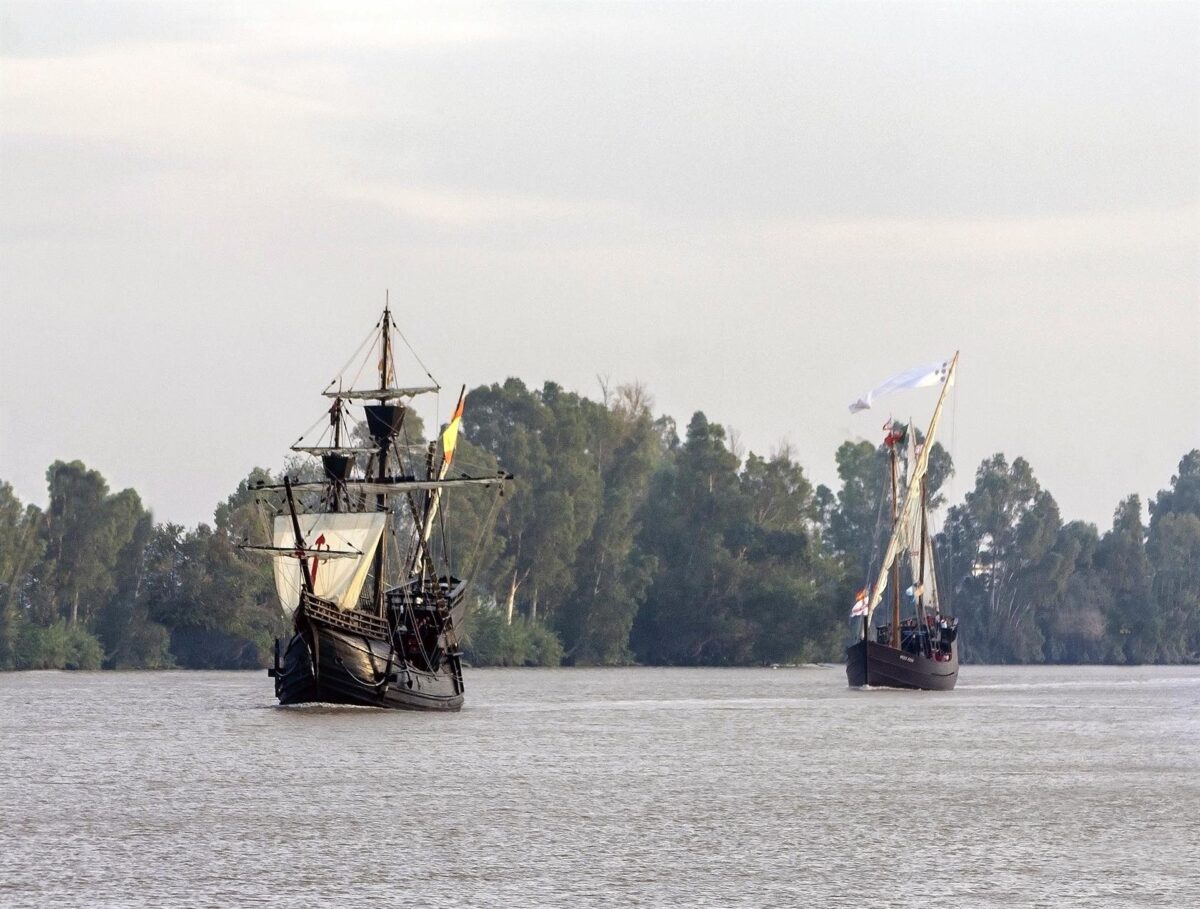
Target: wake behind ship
{"x":361,"y":556}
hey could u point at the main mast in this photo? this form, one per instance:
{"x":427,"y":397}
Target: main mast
{"x":383,"y":429}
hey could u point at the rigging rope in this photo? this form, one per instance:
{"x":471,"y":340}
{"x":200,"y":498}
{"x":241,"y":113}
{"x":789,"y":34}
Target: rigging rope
{"x":487,"y":524}
{"x":875,"y":540}
{"x":414,"y":353}
{"x":367,"y":340}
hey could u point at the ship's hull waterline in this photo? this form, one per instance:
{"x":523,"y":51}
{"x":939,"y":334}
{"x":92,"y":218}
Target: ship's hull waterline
{"x":869,"y":663}
{"x":350,"y":669}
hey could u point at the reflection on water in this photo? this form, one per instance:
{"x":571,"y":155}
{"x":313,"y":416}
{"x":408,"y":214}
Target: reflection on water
{"x":626,"y":787}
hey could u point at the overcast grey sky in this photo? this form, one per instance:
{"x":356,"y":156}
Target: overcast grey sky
{"x":758,"y":210}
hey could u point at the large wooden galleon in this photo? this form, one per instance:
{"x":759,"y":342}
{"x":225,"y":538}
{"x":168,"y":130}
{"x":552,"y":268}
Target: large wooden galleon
{"x":375,"y":607}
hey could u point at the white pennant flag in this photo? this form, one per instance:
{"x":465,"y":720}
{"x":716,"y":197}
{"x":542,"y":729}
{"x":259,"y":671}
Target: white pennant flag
{"x":920,"y":377}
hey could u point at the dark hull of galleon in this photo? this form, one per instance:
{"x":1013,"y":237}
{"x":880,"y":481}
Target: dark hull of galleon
{"x":869,"y":663}
{"x":352,"y":669}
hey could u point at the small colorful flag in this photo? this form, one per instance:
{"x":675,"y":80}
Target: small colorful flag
{"x":450,"y":436}
{"x":897,"y":432}
{"x":860,"y":603}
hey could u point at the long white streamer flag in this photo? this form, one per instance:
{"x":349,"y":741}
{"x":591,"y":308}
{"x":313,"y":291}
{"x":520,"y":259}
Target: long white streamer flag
{"x":920,"y":377}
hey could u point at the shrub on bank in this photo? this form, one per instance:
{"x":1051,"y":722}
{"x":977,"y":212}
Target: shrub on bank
{"x":488,"y":640}
{"x":57,"y":646}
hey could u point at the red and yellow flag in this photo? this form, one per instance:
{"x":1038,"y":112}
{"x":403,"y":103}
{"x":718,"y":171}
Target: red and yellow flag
{"x":450,"y":436}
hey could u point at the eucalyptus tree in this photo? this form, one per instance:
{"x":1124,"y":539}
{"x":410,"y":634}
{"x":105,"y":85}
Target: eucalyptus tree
{"x":543,"y":438}
{"x":611,"y":572}
{"x":1134,"y":623}
{"x":793,"y":589}
{"x":695,"y":504}
{"x":995,"y":544}
{"x":1183,"y":495}
{"x":21,"y":546}
{"x":1174,"y":550}
{"x":84,"y":531}
{"x":1173,"y":547}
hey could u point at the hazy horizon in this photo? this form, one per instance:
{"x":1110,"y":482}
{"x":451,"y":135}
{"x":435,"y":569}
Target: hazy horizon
{"x":758,"y":211}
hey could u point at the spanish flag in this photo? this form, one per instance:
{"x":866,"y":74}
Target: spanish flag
{"x":450,"y":436}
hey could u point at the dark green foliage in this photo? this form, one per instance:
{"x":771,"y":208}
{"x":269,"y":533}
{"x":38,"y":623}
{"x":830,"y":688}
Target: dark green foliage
{"x":566,"y":556}
{"x":620,"y":542}
{"x":95,"y":582}
{"x":1029,"y":588}
{"x":999,"y":538}
{"x":1183,"y":496}
{"x":1173,"y":546}
{"x":742,"y":575}
{"x":611,"y":574}
{"x":490,"y":640}
{"x":21,"y":547}
{"x":57,"y":646}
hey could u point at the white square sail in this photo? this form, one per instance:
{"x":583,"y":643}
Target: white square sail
{"x":337,"y":579}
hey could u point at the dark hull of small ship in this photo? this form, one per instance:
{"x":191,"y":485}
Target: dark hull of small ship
{"x":881,"y":666}
{"x":350,"y":669}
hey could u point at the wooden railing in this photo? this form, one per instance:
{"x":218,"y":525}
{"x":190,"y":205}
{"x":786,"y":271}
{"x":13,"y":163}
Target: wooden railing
{"x":352,"y":620}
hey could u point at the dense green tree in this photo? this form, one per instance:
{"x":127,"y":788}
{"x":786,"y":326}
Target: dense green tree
{"x":1122,"y":558}
{"x":796,"y":587}
{"x":618,"y":541}
{"x":743,"y":575}
{"x":21,"y":547}
{"x":995,"y":544}
{"x":1174,"y":550}
{"x":120,"y":625}
{"x":611,"y":573}
{"x":217,"y":602}
{"x":695,"y":503}
{"x":1183,"y":495}
{"x":85,"y":531}
{"x":1076,"y":600}
{"x":543,"y":438}
{"x":860,"y":518}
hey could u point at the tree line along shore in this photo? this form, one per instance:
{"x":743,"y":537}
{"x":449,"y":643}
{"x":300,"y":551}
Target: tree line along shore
{"x":623,"y":541}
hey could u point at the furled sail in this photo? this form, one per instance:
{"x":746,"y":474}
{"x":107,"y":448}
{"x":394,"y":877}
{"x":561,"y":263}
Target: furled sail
{"x":382,"y":394}
{"x":392,"y":486}
{"x":339,"y":580}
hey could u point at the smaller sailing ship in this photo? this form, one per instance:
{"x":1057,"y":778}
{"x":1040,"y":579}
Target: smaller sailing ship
{"x":374,"y":605}
{"x":918,"y":650}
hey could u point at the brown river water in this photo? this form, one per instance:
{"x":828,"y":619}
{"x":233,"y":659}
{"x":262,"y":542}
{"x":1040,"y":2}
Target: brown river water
{"x":1027,"y":786}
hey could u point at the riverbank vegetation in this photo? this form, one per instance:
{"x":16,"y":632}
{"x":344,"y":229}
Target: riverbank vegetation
{"x":623,"y":540}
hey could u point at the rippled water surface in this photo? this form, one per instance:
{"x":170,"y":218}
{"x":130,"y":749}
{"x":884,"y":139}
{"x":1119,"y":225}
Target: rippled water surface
{"x":624,"y":787}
